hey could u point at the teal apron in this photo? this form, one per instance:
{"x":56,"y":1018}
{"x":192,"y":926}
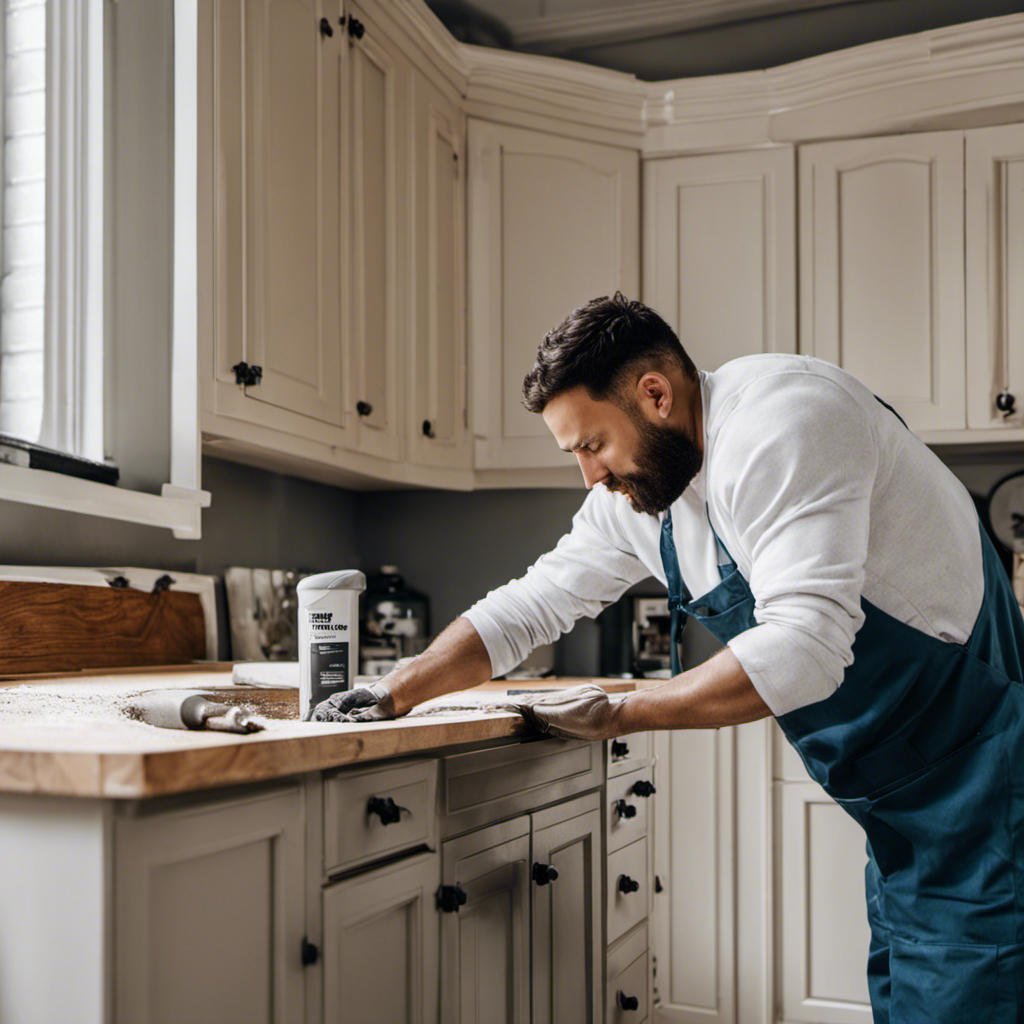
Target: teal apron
{"x":923,"y":744}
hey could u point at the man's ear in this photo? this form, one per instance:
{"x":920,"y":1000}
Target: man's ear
{"x":654,"y":395}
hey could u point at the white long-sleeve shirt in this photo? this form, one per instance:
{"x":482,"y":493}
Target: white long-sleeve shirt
{"x":821,"y":496}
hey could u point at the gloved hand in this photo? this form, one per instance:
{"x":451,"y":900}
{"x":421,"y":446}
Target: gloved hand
{"x":371,"y":703}
{"x":581,"y":712}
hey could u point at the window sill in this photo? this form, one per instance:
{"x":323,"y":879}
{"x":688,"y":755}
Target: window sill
{"x":176,"y":508}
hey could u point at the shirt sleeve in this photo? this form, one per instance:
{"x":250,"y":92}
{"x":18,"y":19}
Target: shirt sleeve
{"x":795,"y":474}
{"x":589,"y":568}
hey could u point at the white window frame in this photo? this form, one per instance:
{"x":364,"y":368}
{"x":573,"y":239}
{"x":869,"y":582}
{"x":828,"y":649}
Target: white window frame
{"x":74,"y":417}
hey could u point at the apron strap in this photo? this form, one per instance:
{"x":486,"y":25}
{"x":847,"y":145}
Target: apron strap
{"x":678,"y":593}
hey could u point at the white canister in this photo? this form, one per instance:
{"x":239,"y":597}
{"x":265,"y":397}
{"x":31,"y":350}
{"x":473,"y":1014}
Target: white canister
{"x":328,"y":634}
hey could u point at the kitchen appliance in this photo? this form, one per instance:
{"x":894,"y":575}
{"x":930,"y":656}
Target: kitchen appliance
{"x":635,"y":637}
{"x":263,"y":611}
{"x":396,"y":622}
{"x":328,"y":634}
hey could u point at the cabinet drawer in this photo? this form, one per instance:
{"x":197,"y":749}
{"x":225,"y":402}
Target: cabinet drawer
{"x":622,"y":828}
{"x":486,"y":785}
{"x":623,"y":988}
{"x":626,"y":909}
{"x":358,"y":811}
{"x":628,"y":753}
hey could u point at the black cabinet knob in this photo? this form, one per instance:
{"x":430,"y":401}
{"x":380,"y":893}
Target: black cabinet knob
{"x":428,"y":429}
{"x":356,"y":28}
{"x":1006,"y":403}
{"x":310,"y":953}
{"x":625,"y":810}
{"x":619,"y":749}
{"x":628,"y":885}
{"x":386,"y":809}
{"x":450,"y":898}
{"x":627,"y":1002}
{"x":643,"y":788}
{"x":364,"y":408}
{"x":325,"y":28}
{"x":544,"y":873}
{"x":246,"y":375}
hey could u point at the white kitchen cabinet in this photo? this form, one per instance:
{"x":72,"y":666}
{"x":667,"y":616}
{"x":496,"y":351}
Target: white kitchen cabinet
{"x":380,"y":952}
{"x":822,"y":959}
{"x":552,"y":223}
{"x":485,"y":943}
{"x":566,"y":954}
{"x":719,"y":251}
{"x":438,"y":428}
{"x":994,"y":229}
{"x":278,"y":87}
{"x":882,"y":269}
{"x":378,"y":73}
{"x":208,"y":911}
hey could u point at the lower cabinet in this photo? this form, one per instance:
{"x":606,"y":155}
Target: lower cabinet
{"x":380,"y":956}
{"x":209,"y":911}
{"x":524,"y":905}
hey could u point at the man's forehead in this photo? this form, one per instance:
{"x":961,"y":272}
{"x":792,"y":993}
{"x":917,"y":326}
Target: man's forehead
{"x":573,"y":416}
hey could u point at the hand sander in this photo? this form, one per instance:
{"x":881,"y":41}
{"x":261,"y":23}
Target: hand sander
{"x":191,"y":709}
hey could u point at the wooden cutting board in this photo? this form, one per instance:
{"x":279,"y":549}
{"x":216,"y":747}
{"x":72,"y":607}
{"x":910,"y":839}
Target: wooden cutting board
{"x":58,"y":627}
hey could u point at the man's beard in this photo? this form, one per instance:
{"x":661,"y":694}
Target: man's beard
{"x":667,"y":459}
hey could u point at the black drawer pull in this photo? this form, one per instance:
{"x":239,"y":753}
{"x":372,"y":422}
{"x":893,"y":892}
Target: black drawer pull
{"x":544,"y":873}
{"x":428,"y":429}
{"x":625,"y":810}
{"x":620,"y":749}
{"x":450,"y":898}
{"x":386,"y":809}
{"x":325,"y":28}
{"x":627,"y":1002}
{"x":628,"y":885}
{"x":643,"y":788}
{"x":364,"y":408}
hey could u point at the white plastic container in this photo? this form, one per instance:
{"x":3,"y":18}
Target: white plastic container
{"x":328,"y":634}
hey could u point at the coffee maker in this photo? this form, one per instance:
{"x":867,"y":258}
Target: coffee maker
{"x":635,"y":637}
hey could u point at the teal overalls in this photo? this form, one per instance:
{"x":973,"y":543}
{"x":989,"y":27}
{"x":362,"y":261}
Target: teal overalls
{"x":923,"y":744}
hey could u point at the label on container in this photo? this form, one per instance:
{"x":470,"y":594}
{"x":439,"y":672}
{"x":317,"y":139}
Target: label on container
{"x":328,"y":669}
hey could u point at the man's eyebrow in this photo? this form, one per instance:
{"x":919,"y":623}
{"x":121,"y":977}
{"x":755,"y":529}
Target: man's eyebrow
{"x":583,"y":442}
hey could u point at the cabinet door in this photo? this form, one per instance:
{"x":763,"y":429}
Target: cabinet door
{"x":882,"y":271}
{"x":695,"y":861}
{"x":567,"y":914}
{"x":553,"y":223}
{"x":995,"y":274}
{"x":278,"y":95}
{"x":380,"y":945}
{"x":438,"y":431}
{"x":720,"y":254}
{"x":485,"y":945}
{"x":208,"y":905}
{"x":825,"y":934}
{"x":376,"y":74}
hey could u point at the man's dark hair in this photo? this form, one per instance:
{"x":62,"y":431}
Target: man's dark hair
{"x":600,"y":345}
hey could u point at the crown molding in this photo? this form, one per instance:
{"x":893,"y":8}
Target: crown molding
{"x":561,"y":33}
{"x":909,"y":83}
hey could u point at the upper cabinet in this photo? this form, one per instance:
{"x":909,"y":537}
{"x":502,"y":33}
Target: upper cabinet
{"x":719,"y":264}
{"x":995,"y":277}
{"x":882,"y":269}
{"x":553,"y":223}
{"x":278,"y":254}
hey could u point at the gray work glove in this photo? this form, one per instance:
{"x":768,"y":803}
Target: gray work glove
{"x":581,"y":712}
{"x":371,"y":703}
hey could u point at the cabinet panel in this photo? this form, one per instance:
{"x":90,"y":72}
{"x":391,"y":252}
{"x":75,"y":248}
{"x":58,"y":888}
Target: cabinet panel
{"x":388,"y":917}
{"x":552,"y":223}
{"x":825,"y":935}
{"x":626,"y":808}
{"x":995,"y":274}
{"x":628,"y":889}
{"x":567,"y":914}
{"x":291,"y":92}
{"x":485,"y":946}
{"x":882,"y":271}
{"x":186,"y":945}
{"x":719,"y":252}
{"x":438,"y":432}
{"x":376,"y":75}
{"x":695,"y":932}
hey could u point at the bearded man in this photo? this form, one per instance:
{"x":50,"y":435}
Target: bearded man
{"x":844,"y":569}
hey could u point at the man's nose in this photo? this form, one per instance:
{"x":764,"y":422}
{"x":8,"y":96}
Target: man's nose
{"x":593,"y":472}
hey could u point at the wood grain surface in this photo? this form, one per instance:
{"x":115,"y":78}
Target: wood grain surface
{"x":55,"y":627}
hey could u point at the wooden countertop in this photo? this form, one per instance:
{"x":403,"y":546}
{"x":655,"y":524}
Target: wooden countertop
{"x":69,"y":735}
